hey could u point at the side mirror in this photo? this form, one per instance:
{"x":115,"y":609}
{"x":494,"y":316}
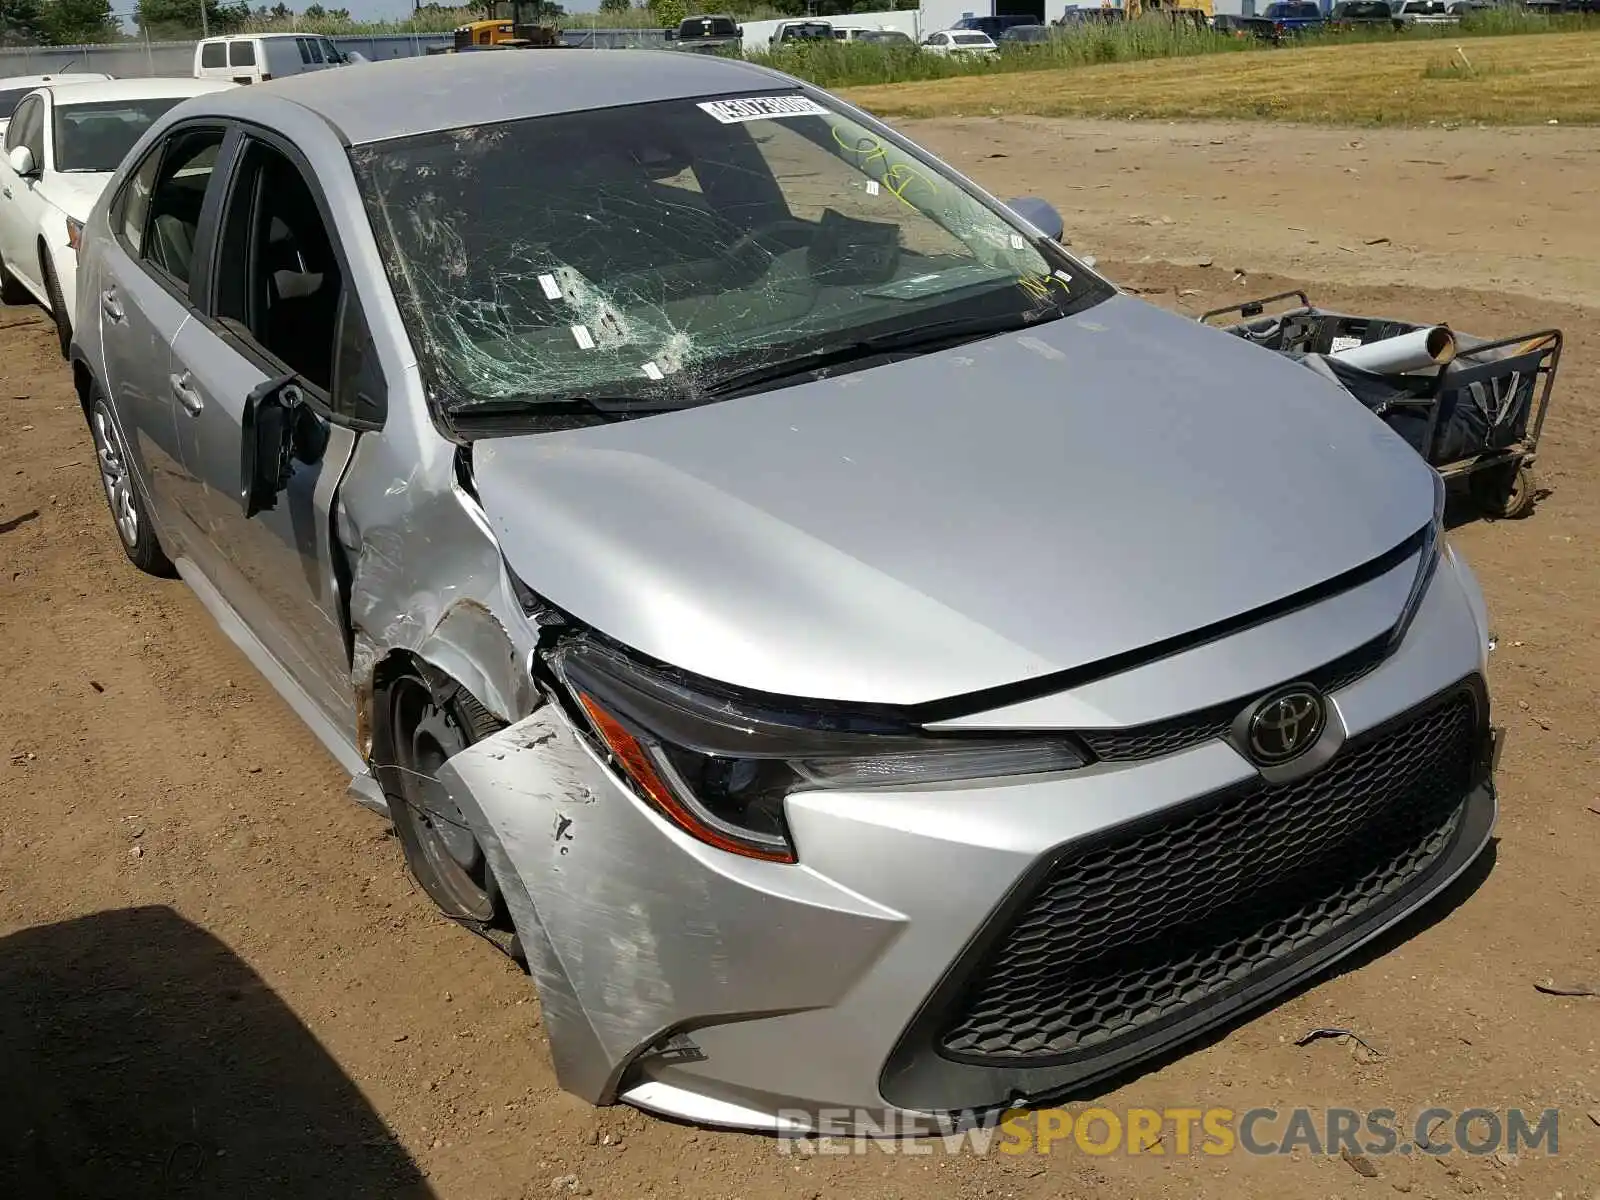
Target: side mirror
{"x":1039,"y":213}
{"x":266,"y":439}
{"x":21,"y":159}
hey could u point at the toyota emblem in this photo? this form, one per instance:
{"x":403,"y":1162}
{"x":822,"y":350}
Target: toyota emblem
{"x":1285,"y":725}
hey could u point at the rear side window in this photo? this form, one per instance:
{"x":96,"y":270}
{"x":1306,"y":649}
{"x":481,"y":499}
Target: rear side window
{"x":305,"y":50}
{"x":132,"y":207}
{"x":213,"y":54}
{"x":241,"y":54}
{"x":316,"y":49}
{"x":178,"y":191}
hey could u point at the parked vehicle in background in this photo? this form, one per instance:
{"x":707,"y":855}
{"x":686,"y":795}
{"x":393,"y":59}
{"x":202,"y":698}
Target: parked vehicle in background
{"x":1364,"y":14}
{"x":707,"y":591}
{"x":61,"y":147}
{"x":1294,"y":16}
{"x":802,"y":31}
{"x":1470,"y":8}
{"x":258,"y":57}
{"x":12,"y":90}
{"x":1025,"y":35}
{"x":1427,"y":12}
{"x":709,"y":33}
{"x":994,"y":26}
{"x":886,"y":37}
{"x":1258,"y":28}
{"x":1078,"y":15}
{"x":962,"y":42}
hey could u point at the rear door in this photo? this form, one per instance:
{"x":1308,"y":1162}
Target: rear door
{"x":143,"y":302}
{"x":278,"y":306}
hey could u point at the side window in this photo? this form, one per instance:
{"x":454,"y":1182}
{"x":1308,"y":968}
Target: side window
{"x":175,"y":199}
{"x":132,"y":206}
{"x":358,"y":387}
{"x":304,"y":46}
{"x":278,"y":279}
{"x":19,"y":120}
{"x":33,"y":133}
{"x":330,"y":51}
{"x":214,"y":54}
{"x":242,"y":54}
{"x":316,"y":49}
{"x":27,"y":129}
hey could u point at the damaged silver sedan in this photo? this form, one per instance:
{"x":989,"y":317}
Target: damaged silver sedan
{"x":851,"y":653}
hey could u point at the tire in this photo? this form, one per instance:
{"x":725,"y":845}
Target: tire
{"x":445,"y":857}
{"x":11,"y":291}
{"x":128,"y":513}
{"x":1505,"y":492}
{"x":58,"y":306}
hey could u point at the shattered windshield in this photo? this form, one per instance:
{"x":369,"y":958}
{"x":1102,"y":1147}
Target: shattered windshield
{"x":666,"y":249}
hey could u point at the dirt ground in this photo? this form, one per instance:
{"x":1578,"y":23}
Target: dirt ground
{"x":216,"y":979}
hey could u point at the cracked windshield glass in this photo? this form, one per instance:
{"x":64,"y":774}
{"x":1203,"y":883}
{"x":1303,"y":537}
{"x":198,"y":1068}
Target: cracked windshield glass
{"x":666,"y":254}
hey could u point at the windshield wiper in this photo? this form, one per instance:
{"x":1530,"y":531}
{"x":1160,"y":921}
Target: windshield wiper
{"x":920,"y":339}
{"x":520,"y":409}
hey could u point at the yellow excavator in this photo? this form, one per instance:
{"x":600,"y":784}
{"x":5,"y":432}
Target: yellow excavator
{"x":508,"y":23}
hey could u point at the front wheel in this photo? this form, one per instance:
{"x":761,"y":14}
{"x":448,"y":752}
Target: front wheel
{"x":58,"y":306}
{"x":128,"y":513}
{"x":441,"y":849}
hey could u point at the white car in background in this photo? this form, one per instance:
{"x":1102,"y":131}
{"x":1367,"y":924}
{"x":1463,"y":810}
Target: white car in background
{"x":13,"y":89}
{"x":61,"y":147}
{"x":961,"y":42}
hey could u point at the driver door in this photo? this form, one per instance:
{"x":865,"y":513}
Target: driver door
{"x":19,"y":229}
{"x":279,"y":307}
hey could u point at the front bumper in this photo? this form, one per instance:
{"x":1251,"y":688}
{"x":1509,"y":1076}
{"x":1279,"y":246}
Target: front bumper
{"x":744,"y":993}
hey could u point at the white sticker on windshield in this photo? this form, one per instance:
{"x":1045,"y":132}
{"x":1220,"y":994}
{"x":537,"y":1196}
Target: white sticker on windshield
{"x":580,"y":334}
{"x":1016,"y":241}
{"x":1343,"y":343}
{"x":552,"y":290}
{"x":762,"y":108}
{"x":872,"y":187}
{"x":652,"y":371}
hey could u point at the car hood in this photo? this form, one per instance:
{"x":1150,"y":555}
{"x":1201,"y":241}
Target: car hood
{"x":75,"y":193}
{"x":966,"y":519}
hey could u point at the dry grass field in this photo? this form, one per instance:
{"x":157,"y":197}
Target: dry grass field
{"x":1496,"y":81}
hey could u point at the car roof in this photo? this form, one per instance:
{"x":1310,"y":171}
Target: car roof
{"x":140,"y":89}
{"x":377,"y":102}
{"x":14,"y":82}
{"x":266,"y":37}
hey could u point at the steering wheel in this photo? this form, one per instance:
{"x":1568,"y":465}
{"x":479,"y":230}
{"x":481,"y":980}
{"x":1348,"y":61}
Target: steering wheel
{"x":755,"y":239}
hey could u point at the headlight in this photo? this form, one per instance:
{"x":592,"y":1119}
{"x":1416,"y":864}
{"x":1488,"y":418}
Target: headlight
{"x":719,"y":766}
{"x":1432,"y":549}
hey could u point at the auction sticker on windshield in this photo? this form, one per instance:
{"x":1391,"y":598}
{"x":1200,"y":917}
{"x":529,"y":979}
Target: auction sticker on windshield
{"x":762,"y":108}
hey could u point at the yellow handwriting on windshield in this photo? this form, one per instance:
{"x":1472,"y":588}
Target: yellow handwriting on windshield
{"x":1042,"y":287}
{"x":897,"y":178}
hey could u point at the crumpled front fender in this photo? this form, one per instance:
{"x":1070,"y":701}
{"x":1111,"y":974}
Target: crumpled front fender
{"x":633,"y":929}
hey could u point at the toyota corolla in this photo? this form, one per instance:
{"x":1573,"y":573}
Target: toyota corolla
{"x":853,"y":654}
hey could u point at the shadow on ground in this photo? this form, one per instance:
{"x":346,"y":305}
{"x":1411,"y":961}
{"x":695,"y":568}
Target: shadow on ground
{"x":142,"y":1058}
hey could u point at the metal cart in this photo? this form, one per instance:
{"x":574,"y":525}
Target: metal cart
{"x":1477,"y":417}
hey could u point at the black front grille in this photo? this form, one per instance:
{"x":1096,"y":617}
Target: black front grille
{"x":1146,"y":926}
{"x":1209,"y":724}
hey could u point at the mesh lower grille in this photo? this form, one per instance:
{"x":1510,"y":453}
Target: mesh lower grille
{"x":1209,"y":724}
{"x":1140,"y":928}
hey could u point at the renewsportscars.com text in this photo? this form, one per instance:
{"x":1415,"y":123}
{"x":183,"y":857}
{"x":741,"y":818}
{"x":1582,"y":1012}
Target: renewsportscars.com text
{"x":1213,"y":1131}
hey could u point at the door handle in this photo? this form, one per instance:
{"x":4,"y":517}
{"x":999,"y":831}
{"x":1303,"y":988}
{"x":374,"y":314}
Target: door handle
{"x":110,"y":306}
{"x":183,"y":389}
